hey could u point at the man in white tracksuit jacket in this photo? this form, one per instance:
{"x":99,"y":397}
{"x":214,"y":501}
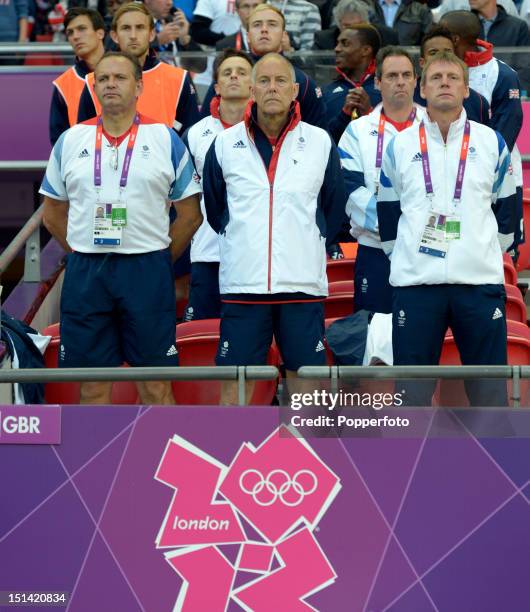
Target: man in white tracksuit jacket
{"x":450,"y":275}
{"x":274,"y":192}
{"x":361,"y":150}
{"x":232,"y":71}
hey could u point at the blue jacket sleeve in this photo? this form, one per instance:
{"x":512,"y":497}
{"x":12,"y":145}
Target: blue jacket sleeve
{"x":506,"y":109}
{"x":187,"y":113}
{"x":312,"y":106}
{"x":87,"y":110}
{"x":214,"y":191}
{"x":337,"y":125}
{"x":332,"y":198}
{"x":205,"y":108}
{"x":59,"y":121}
{"x":388,"y":202}
{"x":504,"y":199}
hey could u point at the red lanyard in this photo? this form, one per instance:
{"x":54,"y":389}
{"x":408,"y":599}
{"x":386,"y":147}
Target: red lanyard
{"x":461,"y":164}
{"x":128,"y":154}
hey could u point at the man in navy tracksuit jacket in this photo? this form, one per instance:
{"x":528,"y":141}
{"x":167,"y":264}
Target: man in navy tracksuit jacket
{"x":352,"y":93}
{"x":266,"y":26}
{"x":446,"y":210}
{"x":439,"y":39}
{"x":274,"y":193}
{"x":499,"y":84}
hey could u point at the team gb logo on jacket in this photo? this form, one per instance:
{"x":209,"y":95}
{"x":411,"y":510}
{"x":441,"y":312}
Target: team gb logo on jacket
{"x":268,"y":502}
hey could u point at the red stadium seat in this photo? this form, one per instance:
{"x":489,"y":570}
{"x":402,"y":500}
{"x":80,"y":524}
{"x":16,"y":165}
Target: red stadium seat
{"x":124,"y":392}
{"x":518,"y":348}
{"x":523,"y":263}
{"x":340,"y":269}
{"x":338,"y":305}
{"x":510,"y":273}
{"x":515,"y":306}
{"x":343,"y":286}
{"x":349,"y":249}
{"x":516,"y":328}
{"x":201,"y":351}
{"x":201,"y":327}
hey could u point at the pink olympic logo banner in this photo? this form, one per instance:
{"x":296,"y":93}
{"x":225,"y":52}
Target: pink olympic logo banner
{"x":281,"y":488}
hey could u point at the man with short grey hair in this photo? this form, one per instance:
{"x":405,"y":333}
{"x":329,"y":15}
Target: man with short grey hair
{"x":274,"y":193}
{"x":449,"y":275}
{"x":346,"y":14}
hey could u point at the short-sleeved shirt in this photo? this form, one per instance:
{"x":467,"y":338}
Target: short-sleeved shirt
{"x":225,"y":19}
{"x":161,"y":171}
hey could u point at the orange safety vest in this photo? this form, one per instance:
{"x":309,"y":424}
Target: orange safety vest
{"x":70,"y":86}
{"x":161,"y":94}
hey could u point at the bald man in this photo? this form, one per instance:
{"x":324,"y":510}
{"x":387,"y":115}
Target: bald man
{"x":274,"y":193}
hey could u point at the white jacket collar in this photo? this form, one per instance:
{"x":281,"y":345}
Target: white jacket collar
{"x":455,"y":129}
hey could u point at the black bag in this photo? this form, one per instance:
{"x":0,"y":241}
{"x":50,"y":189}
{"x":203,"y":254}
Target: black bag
{"x":15,"y":334}
{"x":347,"y":338}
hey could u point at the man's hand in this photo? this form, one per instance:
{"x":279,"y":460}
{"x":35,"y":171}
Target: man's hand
{"x":188,"y":221}
{"x":178,"y":29}
{"x":357,"y":99}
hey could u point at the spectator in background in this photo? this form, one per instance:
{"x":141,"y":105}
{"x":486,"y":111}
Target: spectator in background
{"x":273,"y":225}
{"x":168,"y":94}
{"x":409,"y":18}
{"x":499,"y":84}
{"x":14,"y":21}
{"x":112,"y":8}
{"x":499,"y":28}
{"x":97,"y":5}
{"x":239,"y":40}
{"x":266,"y":28}
{"x":348,"y":13}
{"x":302,"y":21}
{"x":361,"y":149}
{"x":172,"y":33}
{"x":213,"y":20}
{"x":353,"y":92}
{"x":451,"y":275}
{"x":232,"y":70}
{"x":186,"y":6}
{"x":463,"y":5}
{"x":85,"y":31}
{"x":440,"y":39}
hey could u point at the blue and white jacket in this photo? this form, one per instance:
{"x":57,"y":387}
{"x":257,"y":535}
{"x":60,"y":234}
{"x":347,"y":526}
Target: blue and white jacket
{"x":357,"y":150}
{"x":198,"y":139}
{"x":499,"y":84}
{"x":274,"y":207}
{"x":486,"y":210}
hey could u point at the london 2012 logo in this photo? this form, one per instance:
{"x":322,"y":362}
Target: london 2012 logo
{"x":267,"y":503}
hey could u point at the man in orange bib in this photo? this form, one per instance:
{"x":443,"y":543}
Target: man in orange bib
{"x":168,"y":95}
{"x":85,"y":31}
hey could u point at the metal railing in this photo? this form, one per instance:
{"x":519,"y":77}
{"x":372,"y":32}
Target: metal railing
{"x":334,"y":373}
{"x":207,"y":373}
{"x":28,"y":236}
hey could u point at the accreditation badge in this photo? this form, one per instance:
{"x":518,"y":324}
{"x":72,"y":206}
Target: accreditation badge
{"x":105,"y":232}
{"x":433,"y":240}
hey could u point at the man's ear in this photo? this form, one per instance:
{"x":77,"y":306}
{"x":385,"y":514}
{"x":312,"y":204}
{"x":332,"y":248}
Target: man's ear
{"x":114,"y":36}
{"x":296,"y":89}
